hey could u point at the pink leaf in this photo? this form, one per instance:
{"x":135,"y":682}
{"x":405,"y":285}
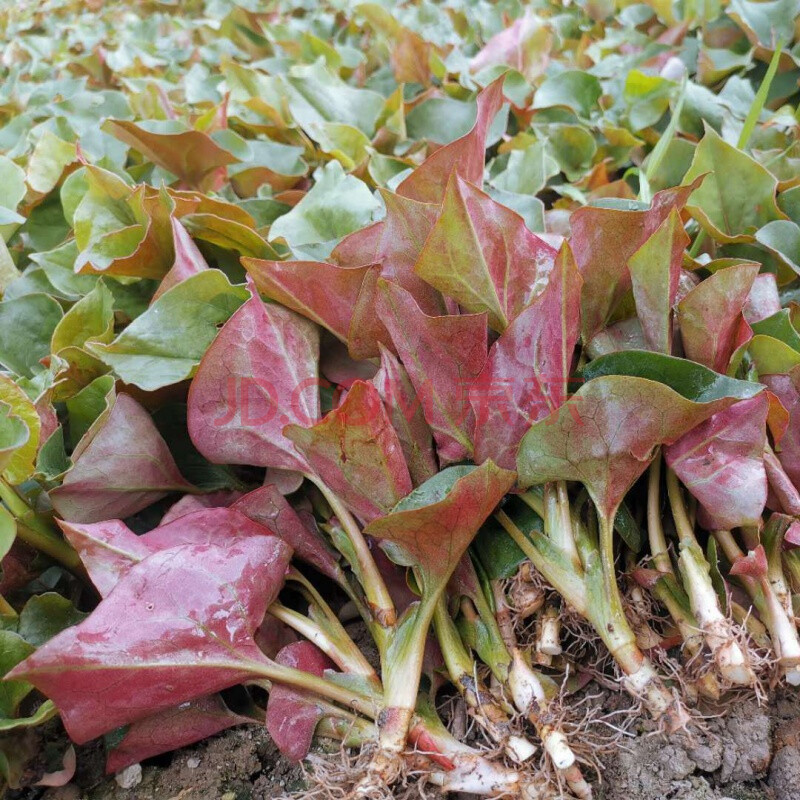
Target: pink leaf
{"x":268,"y":507}
{"x":178,"y":626}
{"x":526,"y":374}
{"x":753,"y":565}
{"x":355,"y":450}
{"x":259,"y":375}
{"x":524,"y":45}
{"x":197,"y":502}
{"x":123,"y":467}
{"x":482,"y":255}
{"x":171,"y":729}
{"x":787,"y":389}
{"x":763,"y":300}
{"x":721,"y":463}
{"x":292,"y":715}
{"x":188,"y":260}
{"x":443,"y":356}
{"x":466,"y":155}
{"x":405,"y":411}
{"x":710,"y":316}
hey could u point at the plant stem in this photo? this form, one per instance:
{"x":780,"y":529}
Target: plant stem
{"x":37,"y":533}
{"x":655,"y":530}
{"x":378,"y":596}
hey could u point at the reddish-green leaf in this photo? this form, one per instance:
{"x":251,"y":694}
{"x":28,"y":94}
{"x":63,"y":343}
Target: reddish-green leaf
{"x":526,"y":374}
{"x":710,"y":315}
{"x":721,"y":463}
{"x":188,"y":259}
{"x":787,"y":389}
{"x":603,"y":240}
{"x":325,"y":293}
{"x":443,"y":357}
{"x":655,"y":270}
{"x":466,"y":155}
{"x":355,"y":450}
{"x":432,"y":528}
{"x":482,"y":255}
{"x":178,"y":626}
{"x":605,"y":435}
{"x":122,"y":466}
{"x":259,"y":375}
{"x":405,"y":411}
{"x":292,"y":715}
{"x":191,"y":155}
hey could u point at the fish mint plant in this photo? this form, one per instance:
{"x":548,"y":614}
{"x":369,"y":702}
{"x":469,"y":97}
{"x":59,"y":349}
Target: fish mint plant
{"x":384,"y":377}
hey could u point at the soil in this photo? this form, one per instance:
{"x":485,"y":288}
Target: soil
{"x":750,"y":753}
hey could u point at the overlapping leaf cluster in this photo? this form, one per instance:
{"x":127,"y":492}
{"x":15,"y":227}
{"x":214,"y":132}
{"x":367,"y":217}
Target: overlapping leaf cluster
{"x":473,"y":322}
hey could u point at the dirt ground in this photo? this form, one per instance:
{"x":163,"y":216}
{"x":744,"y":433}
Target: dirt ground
{"x":752,"y":753}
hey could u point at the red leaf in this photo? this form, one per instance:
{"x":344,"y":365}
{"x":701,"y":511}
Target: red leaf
{"x":124,"y":466}
{"x":482,"y":255}
{"x":355,"y":450}
{"x":710,"y":316}
{"x":395,"y":244}
{"x":465,"y":155}
{"x":188,"y":260}
{"x":259,"y":375}
{"x":524,"y":45}
{"x":324,"y":293}
{"x":526,"y":374}
{"x":268,"y":507}
{"x":178,"y":626}
{"x":721,"y":463}
{"x":171,"y":729}
{"x":753,"y":565}
{"x":405,"y":411}
{"x":443,"y":356}
{"x":292,"y":716}
{"x":197,"y":502}
{"x":603,"y":240}
{"x":109,"y":549}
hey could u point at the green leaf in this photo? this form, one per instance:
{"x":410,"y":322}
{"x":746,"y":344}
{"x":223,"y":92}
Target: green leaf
{"x":165,"y":344}
{"x":26,"y":328}
{"x":336,"y":205}
{"x":782,"y":237}
{"x":574,"y":89}
{"x":91,"y":319}
{"x":730,"y":210}
{"x":13,"y":649}
{"x":45,"y":615}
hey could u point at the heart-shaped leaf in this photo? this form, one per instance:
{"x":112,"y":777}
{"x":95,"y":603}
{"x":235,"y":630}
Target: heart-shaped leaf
{"x":443,"y":357}
{"x":356,"y":452}
{"x":721,"y":463}
{"x":123,"y":466}
{"x":259,"y":375}
{"x":526,"y":374}
{"x":178,"y":626}
{"x":482,"y":255}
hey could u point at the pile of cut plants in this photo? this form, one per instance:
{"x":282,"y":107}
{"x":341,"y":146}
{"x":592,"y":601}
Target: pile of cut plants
{"x":403,"y":380}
